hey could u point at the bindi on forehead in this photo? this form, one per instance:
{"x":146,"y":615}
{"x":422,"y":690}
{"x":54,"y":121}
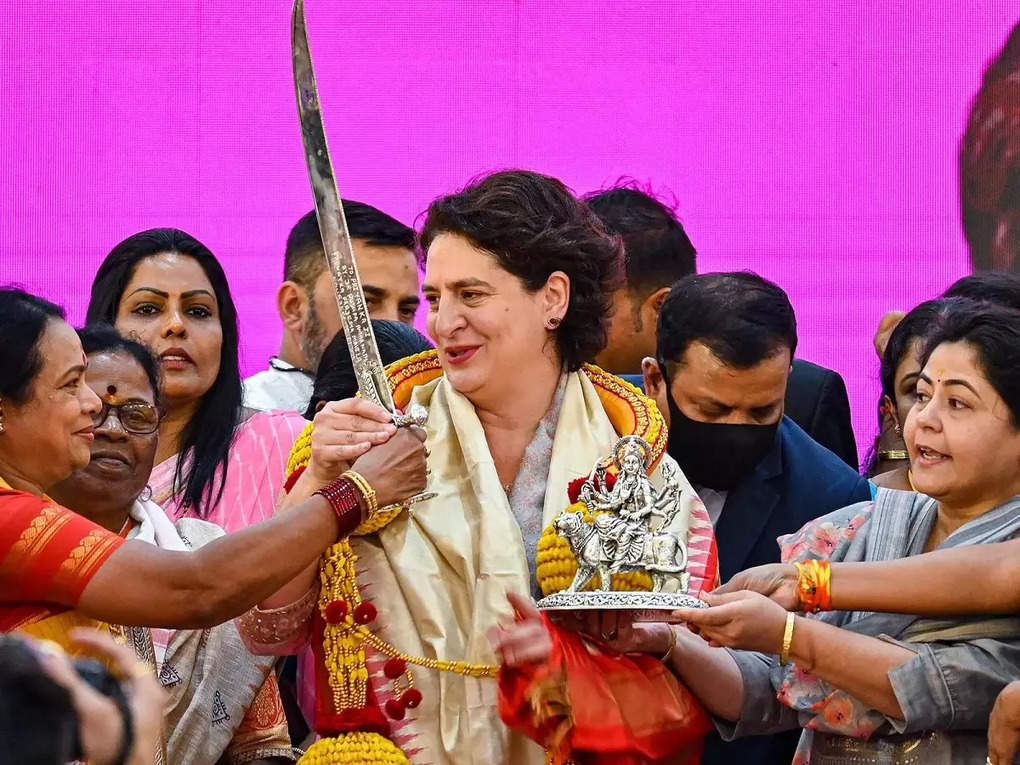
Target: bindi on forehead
{"x":111,"y":390}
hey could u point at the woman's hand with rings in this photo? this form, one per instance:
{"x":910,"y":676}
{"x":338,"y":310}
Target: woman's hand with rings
{"x":617,"y":630}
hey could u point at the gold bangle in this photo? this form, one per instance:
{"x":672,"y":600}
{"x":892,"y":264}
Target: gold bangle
{"x":672,"y":645}
{"x":784,"y":656}
{"x":366,"y":491}
{"x":894,"y":454}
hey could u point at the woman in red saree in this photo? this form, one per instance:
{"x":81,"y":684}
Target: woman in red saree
{"x":53,"y":560}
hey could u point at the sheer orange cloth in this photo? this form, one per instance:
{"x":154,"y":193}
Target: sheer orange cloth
{"x":48,"y":554}
{"x":594,"y":707}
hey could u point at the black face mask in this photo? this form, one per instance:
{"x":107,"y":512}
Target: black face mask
{"x":713,"y":454}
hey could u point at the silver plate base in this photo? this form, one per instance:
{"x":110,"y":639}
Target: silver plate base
{"x":644,"y":606}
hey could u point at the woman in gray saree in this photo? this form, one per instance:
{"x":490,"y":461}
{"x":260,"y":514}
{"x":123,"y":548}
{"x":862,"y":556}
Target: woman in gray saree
{"x":868,"y":687}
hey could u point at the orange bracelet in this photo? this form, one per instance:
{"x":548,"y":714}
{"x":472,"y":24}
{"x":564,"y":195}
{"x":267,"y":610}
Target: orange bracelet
{"x":814,"y":585}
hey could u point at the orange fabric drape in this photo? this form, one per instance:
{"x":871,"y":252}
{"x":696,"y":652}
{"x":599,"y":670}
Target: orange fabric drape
{"x":595,"y":707}
{"x":48,"y":554}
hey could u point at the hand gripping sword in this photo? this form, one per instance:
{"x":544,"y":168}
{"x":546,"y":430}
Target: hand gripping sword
{"x":336,"y":242}
{"x":336,"y":239}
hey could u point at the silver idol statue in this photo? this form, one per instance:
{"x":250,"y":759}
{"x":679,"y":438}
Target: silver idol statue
{"x":630,"y":532}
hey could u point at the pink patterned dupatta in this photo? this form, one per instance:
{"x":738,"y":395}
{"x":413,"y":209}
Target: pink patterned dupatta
{"x":256,"y":471}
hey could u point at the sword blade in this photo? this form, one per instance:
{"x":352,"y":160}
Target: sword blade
{"x":336,"y":239}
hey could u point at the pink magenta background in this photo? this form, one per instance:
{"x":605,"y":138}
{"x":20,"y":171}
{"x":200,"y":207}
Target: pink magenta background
{"x":812,"y":142}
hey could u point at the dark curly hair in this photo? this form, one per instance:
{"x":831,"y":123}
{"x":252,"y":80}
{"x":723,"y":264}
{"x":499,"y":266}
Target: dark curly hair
{"x":533,"y":225}
{"x":989,"y":164}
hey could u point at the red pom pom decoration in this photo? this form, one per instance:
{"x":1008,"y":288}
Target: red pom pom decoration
{"x":411,"y":698}
{"x":394,"y":668}
{"x":395,"y":709}
{"x":365,"y":613}
{"x":574,"y":489}
{"x":336,"y":611}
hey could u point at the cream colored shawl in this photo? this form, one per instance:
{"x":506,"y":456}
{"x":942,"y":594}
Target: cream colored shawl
{"x":440,"y":575}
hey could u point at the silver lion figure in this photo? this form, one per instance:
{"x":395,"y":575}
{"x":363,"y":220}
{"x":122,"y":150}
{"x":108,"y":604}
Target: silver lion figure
{"x":628,"y":534}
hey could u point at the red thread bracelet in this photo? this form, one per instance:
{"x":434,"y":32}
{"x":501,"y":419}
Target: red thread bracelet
{"x":345,"y":499}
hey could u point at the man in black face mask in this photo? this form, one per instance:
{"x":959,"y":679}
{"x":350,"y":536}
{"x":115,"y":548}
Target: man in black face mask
{"x":658,"y":253}
{"x":724,"y":348}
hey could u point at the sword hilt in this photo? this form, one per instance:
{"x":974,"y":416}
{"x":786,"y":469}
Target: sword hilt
{"x":416,"y":415}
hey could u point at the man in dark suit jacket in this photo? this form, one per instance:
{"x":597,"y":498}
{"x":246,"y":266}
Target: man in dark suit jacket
{"x":658,"y":252}
{"x":723,"y":358}
{"x":816,"y":400}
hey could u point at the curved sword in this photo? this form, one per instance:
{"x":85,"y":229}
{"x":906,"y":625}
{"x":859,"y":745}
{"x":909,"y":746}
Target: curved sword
{"x":336,"y":240}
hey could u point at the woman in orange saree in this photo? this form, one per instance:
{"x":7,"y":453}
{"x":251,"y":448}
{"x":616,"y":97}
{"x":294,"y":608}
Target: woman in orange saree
{"x":53,"y":560}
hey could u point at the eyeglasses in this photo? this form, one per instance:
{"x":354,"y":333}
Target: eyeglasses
{"x":134,"y":417}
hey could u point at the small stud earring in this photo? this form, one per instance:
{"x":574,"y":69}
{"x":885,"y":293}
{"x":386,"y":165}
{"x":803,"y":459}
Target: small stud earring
{"x":553,"y":323}
{"x":898,"y":429}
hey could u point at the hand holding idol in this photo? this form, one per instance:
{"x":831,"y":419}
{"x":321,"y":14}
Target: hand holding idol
{"x":745,"y":620}
{"x":777,"y":581}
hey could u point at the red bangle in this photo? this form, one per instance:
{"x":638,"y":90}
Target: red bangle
{"x":345,"y":499}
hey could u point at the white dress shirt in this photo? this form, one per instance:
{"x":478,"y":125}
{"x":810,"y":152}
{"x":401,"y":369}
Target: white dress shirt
{"x":282,"y":386}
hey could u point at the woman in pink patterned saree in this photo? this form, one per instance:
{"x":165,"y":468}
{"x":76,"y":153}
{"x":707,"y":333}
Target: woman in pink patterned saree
{"x":216,"y":460}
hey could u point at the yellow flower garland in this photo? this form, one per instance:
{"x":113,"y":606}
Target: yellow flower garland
{"x":357,"y":748}
{"x":344,"y":640}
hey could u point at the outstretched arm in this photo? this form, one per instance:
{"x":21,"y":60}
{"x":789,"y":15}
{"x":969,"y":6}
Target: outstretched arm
{"x":857,"y":664}
{"x":143,"y":585}
{"x":977,"y":579}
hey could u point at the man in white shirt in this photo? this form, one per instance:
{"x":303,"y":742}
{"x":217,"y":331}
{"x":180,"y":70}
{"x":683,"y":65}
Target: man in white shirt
{"x":384,"y":252}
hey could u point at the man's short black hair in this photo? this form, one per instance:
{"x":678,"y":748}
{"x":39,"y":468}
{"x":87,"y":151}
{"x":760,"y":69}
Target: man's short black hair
{"x":304,"y":260}
{"x":742,"y":318}
{"x":657,"y":250}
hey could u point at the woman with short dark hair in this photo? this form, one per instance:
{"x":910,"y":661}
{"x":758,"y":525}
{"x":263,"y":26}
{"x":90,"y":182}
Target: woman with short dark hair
{"x":53,"y":560}
{"x":518,"y":278}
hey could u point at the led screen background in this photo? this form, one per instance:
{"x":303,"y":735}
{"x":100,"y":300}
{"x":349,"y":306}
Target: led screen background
{"x":814,"y":143}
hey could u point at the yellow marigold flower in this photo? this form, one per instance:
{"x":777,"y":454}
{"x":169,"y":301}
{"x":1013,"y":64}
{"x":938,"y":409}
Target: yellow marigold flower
{"x":358,"y":748}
